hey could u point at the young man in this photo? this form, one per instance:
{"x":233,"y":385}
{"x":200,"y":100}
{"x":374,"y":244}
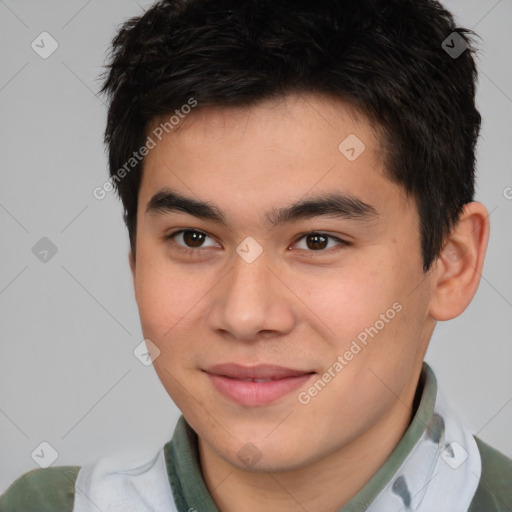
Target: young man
{"x":298,"y":184}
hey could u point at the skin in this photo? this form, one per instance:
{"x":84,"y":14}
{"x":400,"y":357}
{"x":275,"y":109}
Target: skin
{"x":299,"y":308}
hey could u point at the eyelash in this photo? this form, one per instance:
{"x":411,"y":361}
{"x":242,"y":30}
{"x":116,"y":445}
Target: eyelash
{"x":194,"y":252}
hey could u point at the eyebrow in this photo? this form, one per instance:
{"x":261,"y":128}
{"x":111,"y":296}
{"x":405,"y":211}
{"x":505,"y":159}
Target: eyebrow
{"x":335,"y":204}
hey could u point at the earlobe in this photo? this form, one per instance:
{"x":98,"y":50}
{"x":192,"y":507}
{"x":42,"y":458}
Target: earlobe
{"x":459,"y":266}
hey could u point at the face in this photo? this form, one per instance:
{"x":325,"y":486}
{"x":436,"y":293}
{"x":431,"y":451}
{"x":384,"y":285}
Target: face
{"x":280,"y":324}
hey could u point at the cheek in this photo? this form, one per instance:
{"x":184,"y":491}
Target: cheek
{"x":171,"y":303}
{"x":347,"y":302}
{"x":371,"y":317}
{"x":167,"y":295}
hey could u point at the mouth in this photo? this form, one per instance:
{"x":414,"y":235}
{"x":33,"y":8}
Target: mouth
{"x":257,"y":385}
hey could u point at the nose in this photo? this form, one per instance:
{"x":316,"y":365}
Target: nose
{"x":252,"y":303}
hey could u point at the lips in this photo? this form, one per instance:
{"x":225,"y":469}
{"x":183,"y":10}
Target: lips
{"x":266,"y":372}
{"x":257,"y":385}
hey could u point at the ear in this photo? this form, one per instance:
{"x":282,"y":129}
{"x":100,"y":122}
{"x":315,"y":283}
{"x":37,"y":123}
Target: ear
{"x":459,"y":266}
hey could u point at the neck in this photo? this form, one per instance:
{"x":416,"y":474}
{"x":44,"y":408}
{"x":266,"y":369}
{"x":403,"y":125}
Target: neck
{"x":324,"y":486}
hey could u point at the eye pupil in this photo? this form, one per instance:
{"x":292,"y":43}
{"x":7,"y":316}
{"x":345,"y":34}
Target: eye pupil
{"x":317,"y":239}
{"x":193,"y":238}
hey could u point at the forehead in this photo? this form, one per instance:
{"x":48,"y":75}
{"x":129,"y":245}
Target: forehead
{"x":273,"y":153}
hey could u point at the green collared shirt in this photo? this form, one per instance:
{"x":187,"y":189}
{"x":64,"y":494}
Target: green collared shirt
{"x":52,"y":489}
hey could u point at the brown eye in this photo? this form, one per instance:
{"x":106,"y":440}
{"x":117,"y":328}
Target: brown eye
{"x":193,"y":238}
{"x":315,"y":242}
{"x":189,"y":239}
{"x":319,"y":242}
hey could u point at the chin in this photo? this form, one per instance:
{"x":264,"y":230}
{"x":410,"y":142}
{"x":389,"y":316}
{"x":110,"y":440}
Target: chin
{"x":252,"y":459}
{"x":260,"y":454}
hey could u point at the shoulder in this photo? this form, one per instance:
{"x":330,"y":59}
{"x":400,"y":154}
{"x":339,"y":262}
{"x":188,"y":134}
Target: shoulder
{"x":494,"y":492}
{"x":42,"y":490}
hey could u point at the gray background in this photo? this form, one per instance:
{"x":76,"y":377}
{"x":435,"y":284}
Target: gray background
{"x":68,"y":327}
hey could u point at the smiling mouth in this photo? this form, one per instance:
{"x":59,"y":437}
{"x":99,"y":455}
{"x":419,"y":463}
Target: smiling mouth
{"x":257,"y":385}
